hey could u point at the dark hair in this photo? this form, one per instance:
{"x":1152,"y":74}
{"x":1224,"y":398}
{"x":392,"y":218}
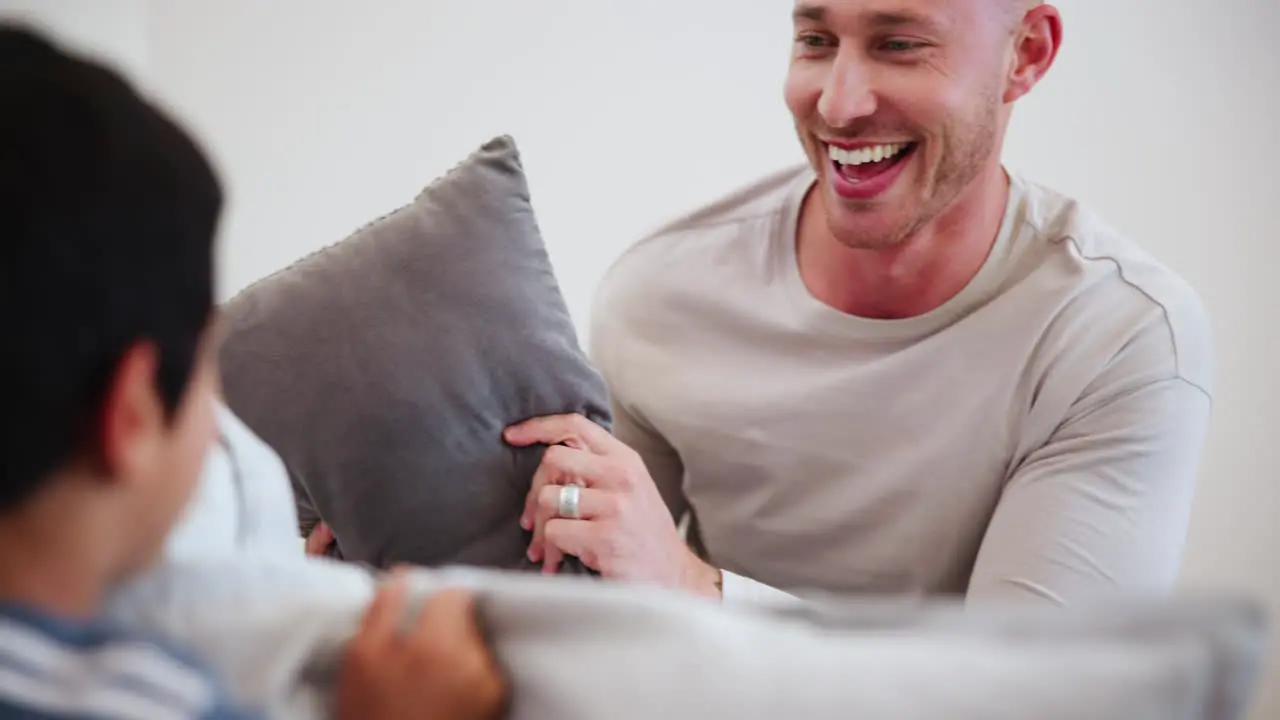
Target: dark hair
{"x":108,"y":212}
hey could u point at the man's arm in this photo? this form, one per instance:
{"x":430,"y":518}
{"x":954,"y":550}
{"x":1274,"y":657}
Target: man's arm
{"x":667,"y":471}
{"x":662,"y":460}
{"x":612,"y":342}
{"x":1104,"y":505}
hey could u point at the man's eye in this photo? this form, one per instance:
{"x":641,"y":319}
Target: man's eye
{"x":898,"y":46}
{"x":813,"y":41}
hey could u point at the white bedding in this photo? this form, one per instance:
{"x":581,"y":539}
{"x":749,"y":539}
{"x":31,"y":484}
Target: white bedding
{"x":237,"y":588}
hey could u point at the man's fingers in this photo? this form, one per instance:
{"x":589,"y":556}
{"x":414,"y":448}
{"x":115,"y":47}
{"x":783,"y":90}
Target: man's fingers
{"x":573,"y":537}
{"x":546,"y":475}
{"x":539,"y":519}
{"x":593,"y":504}
{"x":386,"y":610}
{"x":561,"y":466}
{"x":551,"y":559}
{"x":563,"y":430}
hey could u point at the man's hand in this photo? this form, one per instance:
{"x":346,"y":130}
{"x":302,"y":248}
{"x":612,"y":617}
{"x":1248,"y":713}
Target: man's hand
{"x":439,"y":667}
{"x":625,"y":530}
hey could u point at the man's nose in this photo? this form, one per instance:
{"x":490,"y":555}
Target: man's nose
{"x":848,"y":94}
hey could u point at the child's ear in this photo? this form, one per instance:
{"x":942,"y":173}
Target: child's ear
{"x":132,"y":418}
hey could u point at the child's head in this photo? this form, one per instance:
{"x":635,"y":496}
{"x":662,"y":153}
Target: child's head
{"x":108,"y":212}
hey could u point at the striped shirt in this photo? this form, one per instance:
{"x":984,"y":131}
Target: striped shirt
{"x":50,"y":667}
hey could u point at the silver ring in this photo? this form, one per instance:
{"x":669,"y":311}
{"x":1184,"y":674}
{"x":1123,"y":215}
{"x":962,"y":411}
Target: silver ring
{"x":567,"y":506}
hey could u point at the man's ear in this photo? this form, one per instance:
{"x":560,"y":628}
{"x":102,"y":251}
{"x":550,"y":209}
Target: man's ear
{"x":132,"y":415}
{"x":1036,"y":44}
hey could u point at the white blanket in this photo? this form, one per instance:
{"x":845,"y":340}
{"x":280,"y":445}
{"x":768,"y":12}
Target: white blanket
{"x":242,"y":594}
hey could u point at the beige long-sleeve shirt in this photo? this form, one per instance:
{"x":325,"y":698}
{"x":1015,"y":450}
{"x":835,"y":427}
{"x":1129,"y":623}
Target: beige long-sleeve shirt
{"x":1037,"y":436}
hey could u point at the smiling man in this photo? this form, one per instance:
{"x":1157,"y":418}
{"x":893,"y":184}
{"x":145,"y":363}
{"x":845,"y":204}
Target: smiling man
{"x":899,"y":368}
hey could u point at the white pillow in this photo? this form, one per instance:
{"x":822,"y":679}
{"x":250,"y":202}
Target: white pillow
{"x":243,"y":503}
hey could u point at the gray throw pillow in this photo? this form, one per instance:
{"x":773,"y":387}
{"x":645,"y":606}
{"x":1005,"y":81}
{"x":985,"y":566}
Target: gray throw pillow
{"x":384,"y":368}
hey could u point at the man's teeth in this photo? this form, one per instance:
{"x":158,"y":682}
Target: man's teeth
{"x":872,"y":153}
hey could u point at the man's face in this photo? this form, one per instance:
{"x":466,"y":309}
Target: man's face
{"x":898,"y":104}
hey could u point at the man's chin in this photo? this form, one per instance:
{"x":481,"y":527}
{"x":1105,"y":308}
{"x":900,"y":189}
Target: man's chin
{"x":867,"y":225}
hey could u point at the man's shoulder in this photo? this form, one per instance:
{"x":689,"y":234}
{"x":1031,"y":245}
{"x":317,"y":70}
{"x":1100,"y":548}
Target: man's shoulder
{"x":1116,"y":276}
{"x":651,"y":287}
{"x":53,"y":668}
{"x":744,"y":213}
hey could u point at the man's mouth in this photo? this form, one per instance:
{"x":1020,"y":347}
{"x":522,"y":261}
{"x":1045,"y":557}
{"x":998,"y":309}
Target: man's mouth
{"x":868,"y":161}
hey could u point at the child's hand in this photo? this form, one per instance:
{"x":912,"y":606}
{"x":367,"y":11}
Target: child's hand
{"x":439,"y":667}
{"x":319,"y":540}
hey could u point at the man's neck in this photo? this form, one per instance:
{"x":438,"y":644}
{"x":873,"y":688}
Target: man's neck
{"x":49,"y":559}
{"x":914,"y":277}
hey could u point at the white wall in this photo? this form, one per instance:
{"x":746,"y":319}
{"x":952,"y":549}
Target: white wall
{"x":115,"y":31}
{"x":328,"y":116}
{"x":324,"y":114}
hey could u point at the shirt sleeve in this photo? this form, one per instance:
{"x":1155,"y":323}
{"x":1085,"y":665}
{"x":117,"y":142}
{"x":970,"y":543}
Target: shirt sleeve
{"x":57,"y":670}
{"x":741,"y":590}
{"x":612,"y":338}
{"x":1104,"y":505}
{"x":659,"y":458}
{"x":665,"y":467}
